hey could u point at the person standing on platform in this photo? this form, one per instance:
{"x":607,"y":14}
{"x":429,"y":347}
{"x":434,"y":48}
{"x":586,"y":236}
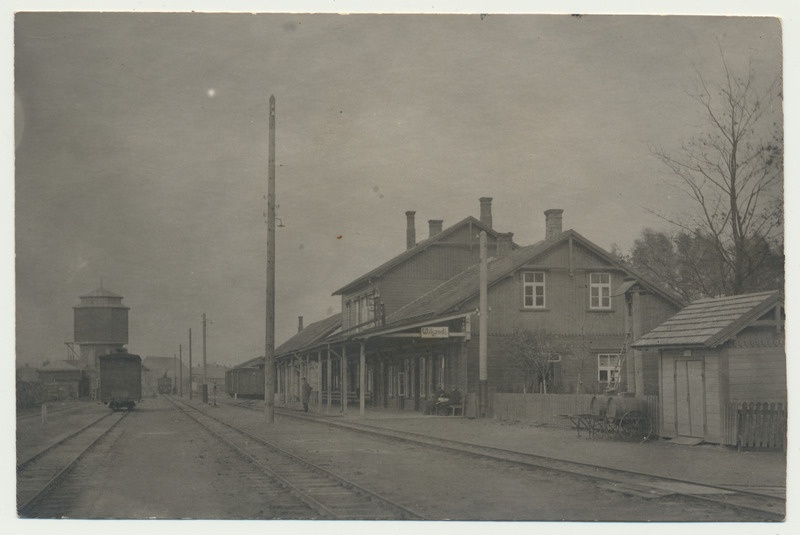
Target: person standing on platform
{"x":306,"y":394}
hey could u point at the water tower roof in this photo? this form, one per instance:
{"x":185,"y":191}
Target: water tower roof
{"x":102,"y":292}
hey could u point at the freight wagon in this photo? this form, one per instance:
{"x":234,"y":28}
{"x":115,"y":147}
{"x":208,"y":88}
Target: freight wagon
{"x":165,"y":384}
{"x":245,"y":383}
{"x":120,"y":379}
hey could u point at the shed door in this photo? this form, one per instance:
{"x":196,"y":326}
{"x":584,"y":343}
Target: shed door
{"x":689,"y":398}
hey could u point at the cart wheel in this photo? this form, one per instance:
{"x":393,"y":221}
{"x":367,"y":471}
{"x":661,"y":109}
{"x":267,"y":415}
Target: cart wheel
{"x":635,"y":425}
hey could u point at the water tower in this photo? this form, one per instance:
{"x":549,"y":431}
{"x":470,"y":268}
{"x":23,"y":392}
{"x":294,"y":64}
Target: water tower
{"x":101,"y":325}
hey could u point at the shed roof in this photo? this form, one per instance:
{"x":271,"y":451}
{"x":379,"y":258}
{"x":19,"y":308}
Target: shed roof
{"x":710,"y":322}
{"x":310,"y":335}
{"x":60,"y":366}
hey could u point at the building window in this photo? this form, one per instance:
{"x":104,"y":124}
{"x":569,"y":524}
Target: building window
{"x":533,"y":289}
{"x":608,"y":368}
{"x":600,"y":290}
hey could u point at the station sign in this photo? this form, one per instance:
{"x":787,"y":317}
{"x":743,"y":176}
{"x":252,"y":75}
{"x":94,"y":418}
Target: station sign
{"x":434,"y":332}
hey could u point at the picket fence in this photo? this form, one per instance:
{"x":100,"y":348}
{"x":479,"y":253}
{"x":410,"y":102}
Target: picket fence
{"x":759,"y":426}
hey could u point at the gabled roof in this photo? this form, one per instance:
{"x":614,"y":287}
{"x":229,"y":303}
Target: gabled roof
{"x":710,"y":322}
{"x":464,"y":286}
{"x":418,"y":248}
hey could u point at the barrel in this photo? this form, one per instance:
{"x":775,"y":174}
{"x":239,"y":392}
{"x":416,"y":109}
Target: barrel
{"x":598,"y":406}
{"x":617,"y":406}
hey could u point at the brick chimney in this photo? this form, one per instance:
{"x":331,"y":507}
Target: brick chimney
{"x":486,"y":211}
{"x":552,"y":222}
{"x":299,"y":323}
{"x":434,"y":227}
{"x":411,"y":232}
{"x":504,"y":244}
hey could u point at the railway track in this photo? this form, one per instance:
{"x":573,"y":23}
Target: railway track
{"x":30,"y":414}
{"x":39,"y":475}
{"x":318,"y":492}
{"x":763,"y":505}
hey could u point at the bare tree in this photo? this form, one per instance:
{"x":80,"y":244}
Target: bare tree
{"x":533,"y":353}
{"x":734,"y":173}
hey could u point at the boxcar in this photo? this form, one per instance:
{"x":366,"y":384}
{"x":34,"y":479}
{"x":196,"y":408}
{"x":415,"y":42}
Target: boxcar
{"x":245,"y":383}
{"x":120,"y":380}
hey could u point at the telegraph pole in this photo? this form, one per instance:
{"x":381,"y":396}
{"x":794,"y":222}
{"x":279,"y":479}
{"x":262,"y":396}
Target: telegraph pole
{"x":483,"y":323}
{"x":190,"y":363}
{"x":180,"y":369}
{"x":269,"y":337}
{"x":205,"y":381}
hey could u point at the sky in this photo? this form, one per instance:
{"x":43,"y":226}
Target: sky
{"x":141,"y":151}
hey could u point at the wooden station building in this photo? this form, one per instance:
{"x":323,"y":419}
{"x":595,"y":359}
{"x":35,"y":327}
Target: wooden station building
{"x":412,"y":324}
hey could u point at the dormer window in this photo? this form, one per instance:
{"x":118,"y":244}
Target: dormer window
{"x":533,"y":289}
{"x":600,"y":291}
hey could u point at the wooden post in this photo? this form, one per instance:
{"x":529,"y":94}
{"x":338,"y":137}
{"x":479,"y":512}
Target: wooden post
{"x":483,"y":329}
{"x":300,"y":388}
{"x":362,"y":383}
{"x":269,"y":334}
{"x":190,"y":364}
{"x":180,"y":368}
{"x":328,"y":377}
{"x":344,"y":378}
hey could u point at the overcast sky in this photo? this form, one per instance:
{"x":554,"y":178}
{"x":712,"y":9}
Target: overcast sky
{"x":141,"y":150}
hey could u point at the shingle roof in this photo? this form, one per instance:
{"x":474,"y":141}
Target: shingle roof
{"x":710,"y":322}
{"x":310,"y":335}
{"x":399,"y":259}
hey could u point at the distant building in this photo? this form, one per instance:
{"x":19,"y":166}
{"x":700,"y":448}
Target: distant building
{"x":61,"y":379}
{"x":155,"y":368}
{"x":215,"y":376}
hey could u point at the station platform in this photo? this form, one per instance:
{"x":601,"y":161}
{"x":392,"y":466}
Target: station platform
{"x":710,"y":464}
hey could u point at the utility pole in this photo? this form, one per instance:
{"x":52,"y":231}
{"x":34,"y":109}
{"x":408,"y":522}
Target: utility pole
{"x":180,"y":369}
{"x":205,"y":376}
{"x":175,"y":373}
{"x":483,"y":330}
{"x":269,"y":336}
{"x":190,"y":363}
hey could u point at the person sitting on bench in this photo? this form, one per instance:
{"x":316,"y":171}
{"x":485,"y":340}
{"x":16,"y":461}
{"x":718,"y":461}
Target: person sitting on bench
{"x":447,"y":400}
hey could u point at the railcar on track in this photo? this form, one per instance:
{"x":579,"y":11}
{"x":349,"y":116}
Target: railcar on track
{"x":247,"y":383}
{"x":120,"y":380}
{"x":165,"y":384}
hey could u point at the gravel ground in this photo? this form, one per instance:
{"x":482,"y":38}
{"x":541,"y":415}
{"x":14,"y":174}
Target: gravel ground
{"x":164,"y":466}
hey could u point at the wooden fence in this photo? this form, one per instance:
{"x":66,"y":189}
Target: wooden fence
{"x":756,"y":425}
{"x":547,"y":408}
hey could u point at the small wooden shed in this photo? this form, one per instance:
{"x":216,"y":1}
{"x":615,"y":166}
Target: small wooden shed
{"x":716,"y":357}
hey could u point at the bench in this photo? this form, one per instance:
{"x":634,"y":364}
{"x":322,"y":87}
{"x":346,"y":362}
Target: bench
{"x":457,"y":408}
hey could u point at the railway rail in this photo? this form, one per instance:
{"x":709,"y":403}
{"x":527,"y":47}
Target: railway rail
{"x":47,"y":470}
{"x":765,"y":504}
{"x":323,"y":494}
{"x":34,"y":413}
